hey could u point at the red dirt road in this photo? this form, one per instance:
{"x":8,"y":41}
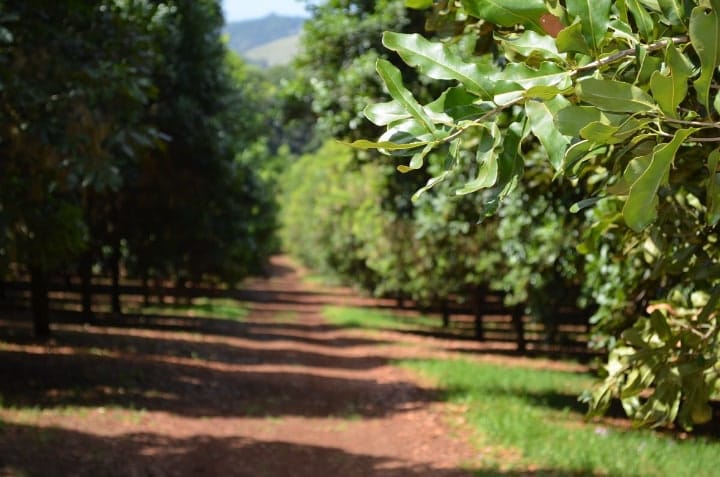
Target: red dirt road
{"x":279,"y":394}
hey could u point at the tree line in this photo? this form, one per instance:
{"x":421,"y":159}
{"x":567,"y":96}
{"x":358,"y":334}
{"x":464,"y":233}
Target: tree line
{"x":127,"y":139}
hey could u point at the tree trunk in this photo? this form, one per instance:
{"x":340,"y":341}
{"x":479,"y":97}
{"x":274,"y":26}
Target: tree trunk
{"x":160,"y":291}
{"x":115,"y":271}
{"x":86,"y":287}
{"x":478,"y":312}
{"x":517,"y":319}
{"x":40,"y":302}
{"x":145,"y":289}
{"x":445,"y":314}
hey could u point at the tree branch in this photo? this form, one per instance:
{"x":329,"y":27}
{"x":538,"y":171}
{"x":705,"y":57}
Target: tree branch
{"x":658,"y":45}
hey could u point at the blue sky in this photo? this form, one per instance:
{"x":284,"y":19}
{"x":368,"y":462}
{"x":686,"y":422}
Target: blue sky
{"x":248,"y":9}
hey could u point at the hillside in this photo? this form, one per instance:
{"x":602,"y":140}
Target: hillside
{"x":267,"y":41}
{"x":277,"y":52}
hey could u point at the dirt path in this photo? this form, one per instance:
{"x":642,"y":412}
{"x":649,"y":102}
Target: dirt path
{"x":279,"y":394}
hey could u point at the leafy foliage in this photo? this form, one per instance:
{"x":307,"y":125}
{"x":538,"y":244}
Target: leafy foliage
{"x":620,"y":98}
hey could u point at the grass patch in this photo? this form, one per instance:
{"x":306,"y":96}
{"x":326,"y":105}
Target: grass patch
{"x":534,"y":414}
{"x":219,"y":308}
{"x":376,"y":319}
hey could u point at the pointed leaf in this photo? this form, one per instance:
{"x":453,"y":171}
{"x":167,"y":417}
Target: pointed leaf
{"x":540,"y":115}
{"x":438,"y":61}
{"x":640,"y":208}
{"x":643,"y":20}
{"x":572,"y":119}
{"x":508,"y":12}
{"x":669,"y":91}
{"x":530,"y":43}
{"x":594,"y":16}
{"x":611,"y":95}
{"x":487,"y":158}
{"x":382,"y":114}
{"x":571,"y":40}
{"x":673,"y":11}
{"x":705,"y":38}
{"x":393,"y":81}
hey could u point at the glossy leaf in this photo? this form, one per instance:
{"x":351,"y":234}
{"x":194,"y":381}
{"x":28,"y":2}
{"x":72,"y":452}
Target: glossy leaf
{"x":540,"y":115}
{"x":508,"y":12}
{"x":529,"y":44}
{"x":571,"y":40}
{"x":393,"y":81}
{"x":572,"y":119}
{"x":612,"y":95}
{"x":640,"y":208}
{"x":487,"y":158}
{"x":705,"y":37}
{"x":437,"y":61}
{"x":673,"y":11}
{"x":382,"y":114}
{"x":594,"y":17}
{"x":670,"y":90}
{"x":643,"y":20}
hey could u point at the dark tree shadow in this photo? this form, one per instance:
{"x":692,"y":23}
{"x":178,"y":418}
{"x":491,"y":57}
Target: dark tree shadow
{"x":54,"y":452}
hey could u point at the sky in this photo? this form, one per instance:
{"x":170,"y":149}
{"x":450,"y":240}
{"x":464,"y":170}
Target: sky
{"x":248,"y":9}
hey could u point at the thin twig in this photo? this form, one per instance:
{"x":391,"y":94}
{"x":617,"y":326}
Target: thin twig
{"x":658,"y":45}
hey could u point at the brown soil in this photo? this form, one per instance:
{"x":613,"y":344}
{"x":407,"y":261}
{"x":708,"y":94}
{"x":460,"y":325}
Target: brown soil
{"x":281,"y":393}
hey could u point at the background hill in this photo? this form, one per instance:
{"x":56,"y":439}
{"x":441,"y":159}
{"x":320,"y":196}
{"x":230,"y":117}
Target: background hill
{"x":267,"y":41}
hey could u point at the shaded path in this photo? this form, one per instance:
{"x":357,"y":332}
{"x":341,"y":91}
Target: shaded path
{"x":279,"y":394}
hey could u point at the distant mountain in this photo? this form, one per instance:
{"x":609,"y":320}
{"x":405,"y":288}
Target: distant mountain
{"x":267,"y":41}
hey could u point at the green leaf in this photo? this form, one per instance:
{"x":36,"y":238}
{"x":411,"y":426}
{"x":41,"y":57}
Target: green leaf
{"x":705,"y":38}
{"x":594,"y":17}
{"x":457,"y":103}
{"x":387,"y":145}
{"x":393,"y":81}
{"x":382,"y":114}
{"x":673,"y":11}
{"x":487,"y":158}
{"x":417,"y":160}
{"x":418,"y":4}
{"x":572,"y":119}
{"x":438,"y":61}
{"x":602,"y":133}
{"x":530,"y":44}
{"x":643,"y":20}
{"x":660,"y":326}
{"x":571,"y":40}
{"x":640,"y":208}
{"x":713,"y":188}
{"x":575,"y":155}
{"x":540,"y":115}
{"x":520,"y":74}
{"x":508,"y":12}
{"x":611,"y":95}
{"x":670,"y":90}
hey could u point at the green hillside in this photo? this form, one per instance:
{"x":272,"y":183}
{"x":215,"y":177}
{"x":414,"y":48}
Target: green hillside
{"x":250,"y":34}
{"x":278,"y":52}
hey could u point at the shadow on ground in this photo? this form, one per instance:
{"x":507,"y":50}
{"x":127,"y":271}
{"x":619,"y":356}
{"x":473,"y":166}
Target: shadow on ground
{"x":36,"y":451}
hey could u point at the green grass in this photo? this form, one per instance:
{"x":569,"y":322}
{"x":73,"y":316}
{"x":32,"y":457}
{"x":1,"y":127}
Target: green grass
{"x":376,"y":319}
{"x":534,"y":416}
{"x":220,"y":308}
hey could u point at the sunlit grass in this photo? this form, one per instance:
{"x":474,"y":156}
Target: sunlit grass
{"x":221,"y":308}
{"x":534,"y":416}
{"x":376,"y":319}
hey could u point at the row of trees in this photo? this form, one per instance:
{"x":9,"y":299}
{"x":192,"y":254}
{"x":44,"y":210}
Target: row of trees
{"x":121,"y":124}
{"x":580,"y":136}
